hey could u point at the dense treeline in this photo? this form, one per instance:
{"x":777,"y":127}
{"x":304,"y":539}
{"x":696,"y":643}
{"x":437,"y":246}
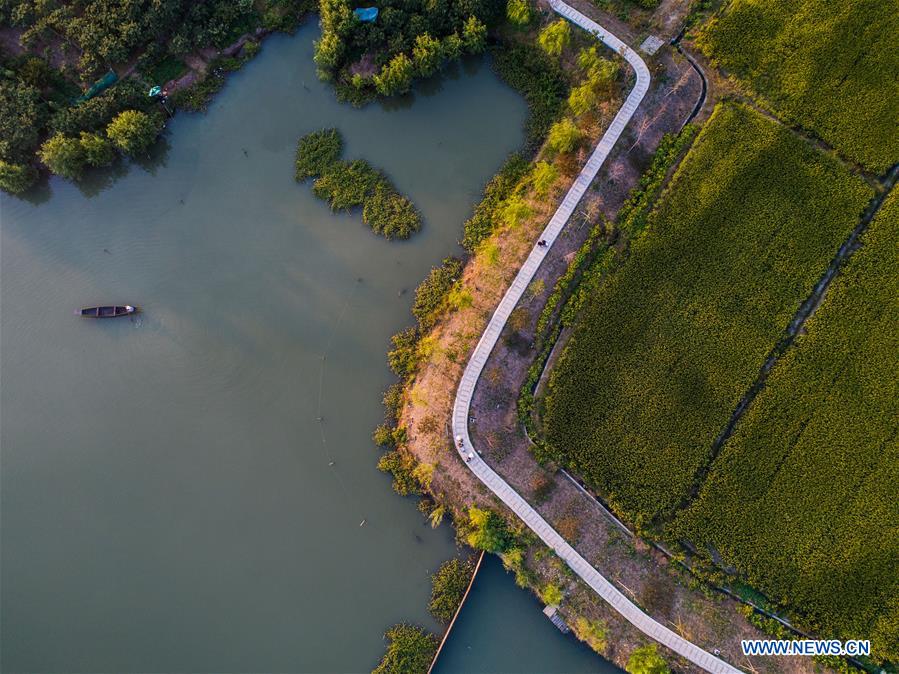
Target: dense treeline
{"x":67,"y":46}
{"x":666,"y":348}
{"x":348,"y":184}
{"x":37,"y":121}
{"x":832,"y":67}
{"x":95,"y":35}
{"x":538,"y":76}
{"x":803,"y":497}
{"x":408,"y":39}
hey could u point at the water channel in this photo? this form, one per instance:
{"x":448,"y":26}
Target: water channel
{"x":168,"y":497}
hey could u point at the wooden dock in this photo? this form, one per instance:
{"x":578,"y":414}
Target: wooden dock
{"x":552,"y":612}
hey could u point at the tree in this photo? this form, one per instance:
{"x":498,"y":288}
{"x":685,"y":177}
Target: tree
{"x":436,"y":516}
{"x":403,"y":357}
{"x":515,"y":211}
{"x":395,"y":77}
{"x":21,"y":118}
{"x":427,"y":55}
{"x":563,"y":136}
{"x":390,"y":214}
{"x":328,"y":52}
{"x":588,"y":59}
{"x":133,"y":131}
{"x":410,"y":650}
{"x":448,"y":586}
{"x":35,"y":72}
{"x":551,"y":594}
{"x":646,"y":660}
{"x":555,"y":37}
{"x":64,"y":156}
{"x":451,"y":47}
{"x":98,"y":151}
{"x":518,"y":12}
{"x":16,"y":178}
{"x":316,"y":151}
{"x":487,"y":530}
{"x":383,"y":436}
{"x":347,"y":184}
{"x":474,"y":35}
{"x":594,"y":632}
{"x":401,"y":465}
{"x":582,"y":98}
{"x":603,"y":74}
{"x":544,"y":176}
{"x":430,"y":295}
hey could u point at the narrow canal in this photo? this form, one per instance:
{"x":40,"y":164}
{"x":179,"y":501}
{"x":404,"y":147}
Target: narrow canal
{"x":170,"y":499}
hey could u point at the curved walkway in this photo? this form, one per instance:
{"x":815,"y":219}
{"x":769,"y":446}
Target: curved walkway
{"x":491,"y":334}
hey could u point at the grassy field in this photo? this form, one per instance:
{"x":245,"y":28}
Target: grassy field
{"x":803,"y":498}
{"x":828,"y":66}
{"x":668,"y":346}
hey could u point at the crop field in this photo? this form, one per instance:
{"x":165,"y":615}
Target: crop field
{"x":803,"y":497}
{"x":828,"y":66}
{"x":663,"y":353}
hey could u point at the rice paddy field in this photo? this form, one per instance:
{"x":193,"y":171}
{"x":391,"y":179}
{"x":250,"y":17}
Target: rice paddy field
{"x":668,"y":346}
{"x":802,"y":498}
{"x":830,"y":67}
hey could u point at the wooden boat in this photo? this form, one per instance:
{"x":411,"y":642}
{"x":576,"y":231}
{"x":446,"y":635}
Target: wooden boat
{"x":106,"y":312}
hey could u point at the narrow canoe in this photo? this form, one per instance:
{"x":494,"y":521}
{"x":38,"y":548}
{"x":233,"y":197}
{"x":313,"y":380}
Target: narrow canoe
{"x":106,"y":312}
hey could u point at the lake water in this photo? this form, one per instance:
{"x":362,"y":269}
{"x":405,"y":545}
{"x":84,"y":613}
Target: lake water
{"x":168,"y":502}
{"x":502,"y":629}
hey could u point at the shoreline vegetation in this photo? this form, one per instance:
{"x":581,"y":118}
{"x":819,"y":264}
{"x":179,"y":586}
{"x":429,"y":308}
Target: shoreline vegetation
{"x":411,"y":649}
{"x":74,"y":86}
{"x":349,"y":184}
{"x":364,"y":60}
{"x":571,"y":89}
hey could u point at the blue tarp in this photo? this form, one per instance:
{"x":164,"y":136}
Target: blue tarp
{"x":100,"y":85}
{"x":366,"y":14}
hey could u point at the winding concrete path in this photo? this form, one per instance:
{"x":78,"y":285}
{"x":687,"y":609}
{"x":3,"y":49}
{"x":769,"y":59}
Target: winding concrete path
{"x":491,"y":334}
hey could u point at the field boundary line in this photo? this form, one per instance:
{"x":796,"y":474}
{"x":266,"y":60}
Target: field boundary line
{"x":792,"y":331}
